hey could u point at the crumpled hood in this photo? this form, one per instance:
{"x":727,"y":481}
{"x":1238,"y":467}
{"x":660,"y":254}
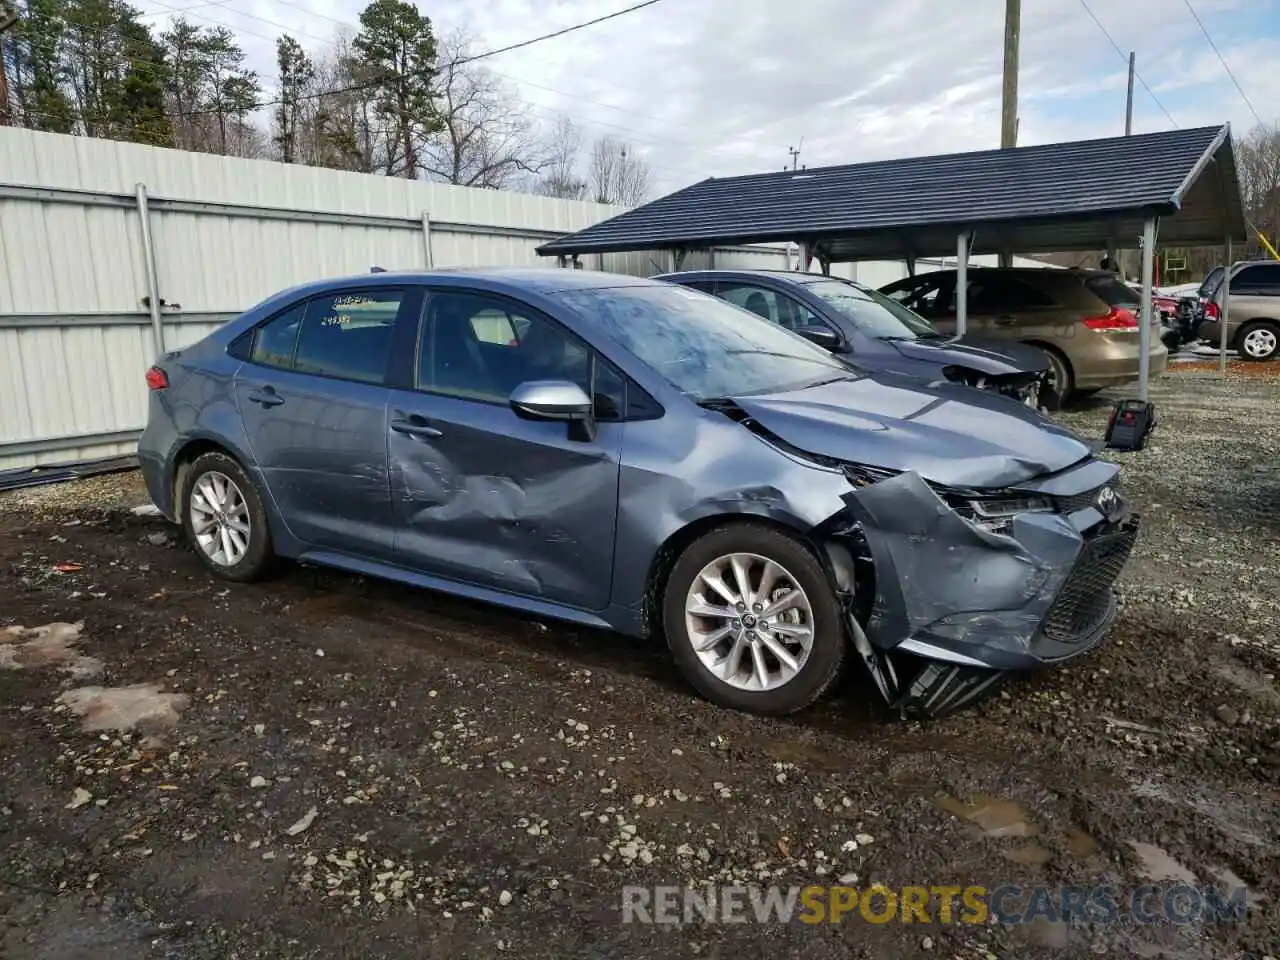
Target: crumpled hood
{"x":990,"y":357}
{"x":949,"y":434}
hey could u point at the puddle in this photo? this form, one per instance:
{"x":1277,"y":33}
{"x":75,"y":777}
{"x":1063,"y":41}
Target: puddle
{"x":805,"y":755}
{"x":1080,"y":844}
{"x":997,"y":818}
{"x":140,"y":706}
{"x":1032,"y":855}
{"x":52,"y":645}
{"x":1155,"y":864}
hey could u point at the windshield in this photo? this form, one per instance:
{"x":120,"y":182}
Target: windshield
{"x":873,"y":313}
{"x":704,"y":347}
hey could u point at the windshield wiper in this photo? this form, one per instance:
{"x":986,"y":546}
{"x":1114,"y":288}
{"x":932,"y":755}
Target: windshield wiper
{"x":778,"y":353}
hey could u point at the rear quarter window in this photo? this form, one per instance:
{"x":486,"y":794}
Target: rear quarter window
{"x":1113,"y":291}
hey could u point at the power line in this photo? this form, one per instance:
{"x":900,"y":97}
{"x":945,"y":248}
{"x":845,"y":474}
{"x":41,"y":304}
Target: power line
{"x":369,"y":84}
{"x":1222,"y":60}
{"x":1125,"y":57}
{"x":558,"y":33}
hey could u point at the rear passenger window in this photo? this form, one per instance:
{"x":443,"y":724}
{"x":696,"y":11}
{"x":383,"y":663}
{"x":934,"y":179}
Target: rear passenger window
{"x":1262,"y":278}
{"x":274,"y":341}
{"x":994,"y":292}
{"x":348,"y":336}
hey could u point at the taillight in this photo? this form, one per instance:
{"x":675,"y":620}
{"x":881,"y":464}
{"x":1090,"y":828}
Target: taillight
{"x":1117,"y":318}
{"x":157,"y":379}
{"x":1211,"y":311}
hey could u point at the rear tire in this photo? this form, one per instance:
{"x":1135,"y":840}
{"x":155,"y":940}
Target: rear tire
{"x":224,"y":519}
{"x":1258,"y":341}
{"x":798,"y":648}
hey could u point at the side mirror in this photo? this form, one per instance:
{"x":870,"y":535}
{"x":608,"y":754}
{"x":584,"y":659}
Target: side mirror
{"x":823,"y":336}
{"x":556,"y":400}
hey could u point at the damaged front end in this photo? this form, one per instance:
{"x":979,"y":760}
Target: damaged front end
{"x":1026,"y":387}
{"x":948,"y":591}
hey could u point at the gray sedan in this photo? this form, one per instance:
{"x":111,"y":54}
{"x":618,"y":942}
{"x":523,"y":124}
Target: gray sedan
{"x":642,"y":457}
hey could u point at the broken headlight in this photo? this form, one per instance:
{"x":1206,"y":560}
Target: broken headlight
{"x":995,"y":515}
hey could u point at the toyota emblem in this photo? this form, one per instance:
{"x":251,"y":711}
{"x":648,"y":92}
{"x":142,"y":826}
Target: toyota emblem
{"x":1108,"y":501}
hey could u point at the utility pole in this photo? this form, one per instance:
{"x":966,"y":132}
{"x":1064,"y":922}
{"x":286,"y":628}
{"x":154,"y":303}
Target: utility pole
{"x":1128,"y":100}
{"x":8,"y":17}
{"x":1009,"y":95}
{"x":1009,"y":99}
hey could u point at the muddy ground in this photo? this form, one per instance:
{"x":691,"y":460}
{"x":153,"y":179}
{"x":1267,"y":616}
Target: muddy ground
{"x":324,"y":766}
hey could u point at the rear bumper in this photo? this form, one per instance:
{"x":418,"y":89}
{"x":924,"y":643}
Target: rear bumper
{"x":957,"y":607}
{"x":1116,"y":361}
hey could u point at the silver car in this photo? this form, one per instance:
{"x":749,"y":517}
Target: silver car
{"x":638,"y":456}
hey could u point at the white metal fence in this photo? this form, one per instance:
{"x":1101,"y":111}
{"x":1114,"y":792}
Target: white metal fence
{"x":112,"y":252}
{"x":77,"y":323}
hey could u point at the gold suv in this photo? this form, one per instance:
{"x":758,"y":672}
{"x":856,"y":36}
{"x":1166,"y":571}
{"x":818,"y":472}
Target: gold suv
{"x":1253,"y":322}
{"x":1085,"y":321}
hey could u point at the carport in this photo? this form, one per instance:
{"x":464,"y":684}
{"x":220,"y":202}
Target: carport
{"x":1179,"y":186}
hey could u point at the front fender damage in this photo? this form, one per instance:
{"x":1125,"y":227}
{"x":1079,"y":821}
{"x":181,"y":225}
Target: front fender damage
{"x":920,"y":579}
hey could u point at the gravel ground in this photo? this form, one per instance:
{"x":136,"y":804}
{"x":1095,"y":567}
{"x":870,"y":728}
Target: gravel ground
{"x":325,"y":766}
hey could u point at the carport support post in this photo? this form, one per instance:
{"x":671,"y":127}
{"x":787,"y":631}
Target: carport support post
{"x":962,"y":282}
{"x":1144,"y":330}
{"x":426,"y":240}
{"x":149,"y":265}
{"x":1224,"y":311}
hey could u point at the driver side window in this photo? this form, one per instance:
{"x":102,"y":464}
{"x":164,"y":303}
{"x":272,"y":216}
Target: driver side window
{"x":773,"y":306}
{"x":475,"y":346}
{"x":929,"y":298}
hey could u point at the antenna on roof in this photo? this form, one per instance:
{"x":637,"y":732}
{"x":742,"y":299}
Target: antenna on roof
{"x":377,"y":269}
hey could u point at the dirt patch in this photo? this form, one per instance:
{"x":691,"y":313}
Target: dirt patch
{"x":406,"y":775}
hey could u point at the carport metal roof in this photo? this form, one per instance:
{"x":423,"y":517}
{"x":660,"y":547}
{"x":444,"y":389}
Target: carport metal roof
{"x":1083,"y":195}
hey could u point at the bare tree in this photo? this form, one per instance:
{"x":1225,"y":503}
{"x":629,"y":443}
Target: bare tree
{"x":617,"y":174}
{"x":1258,"y":161}
{"x":563,"y":151}
{"x":487,"y":138}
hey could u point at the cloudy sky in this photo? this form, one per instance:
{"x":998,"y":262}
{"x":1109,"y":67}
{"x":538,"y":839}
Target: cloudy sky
{"x":718,"y":87}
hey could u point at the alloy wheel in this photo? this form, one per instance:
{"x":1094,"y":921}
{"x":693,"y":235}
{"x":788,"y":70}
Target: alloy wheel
{"x":220,"y":519}
{"x":749,"y":621}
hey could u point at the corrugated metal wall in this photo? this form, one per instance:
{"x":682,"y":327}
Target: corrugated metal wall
{"x":76,"y":334}
{"x":75,"y":329}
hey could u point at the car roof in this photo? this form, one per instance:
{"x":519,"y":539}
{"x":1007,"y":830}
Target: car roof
{"x":511,"y":279}
{"x":1051,"y":275}
{"x":793,"y":276}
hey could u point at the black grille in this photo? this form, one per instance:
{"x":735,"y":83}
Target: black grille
{"x":1077,"y":501}
{"x":1085,"y":597}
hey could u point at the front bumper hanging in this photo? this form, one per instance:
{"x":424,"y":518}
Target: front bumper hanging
{"x":957,"y":608}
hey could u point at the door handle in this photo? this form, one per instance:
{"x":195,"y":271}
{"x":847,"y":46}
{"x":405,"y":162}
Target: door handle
{"x":415,"y":426}
{"x":267,"y":396}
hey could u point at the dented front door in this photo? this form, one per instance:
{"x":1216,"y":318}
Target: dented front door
{"x":487,"y":498}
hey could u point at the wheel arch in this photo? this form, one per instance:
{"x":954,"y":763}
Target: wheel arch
{"x":194,"y":448}
{"x":186,"y":455}
{"x":664,"y":558}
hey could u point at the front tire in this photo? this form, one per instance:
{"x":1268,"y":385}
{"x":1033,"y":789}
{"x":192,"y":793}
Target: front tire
{"x":1061,"y":382}
{"x":224,"y":519}
{"x":752,"y":620}
{"x":1258,"y":341}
